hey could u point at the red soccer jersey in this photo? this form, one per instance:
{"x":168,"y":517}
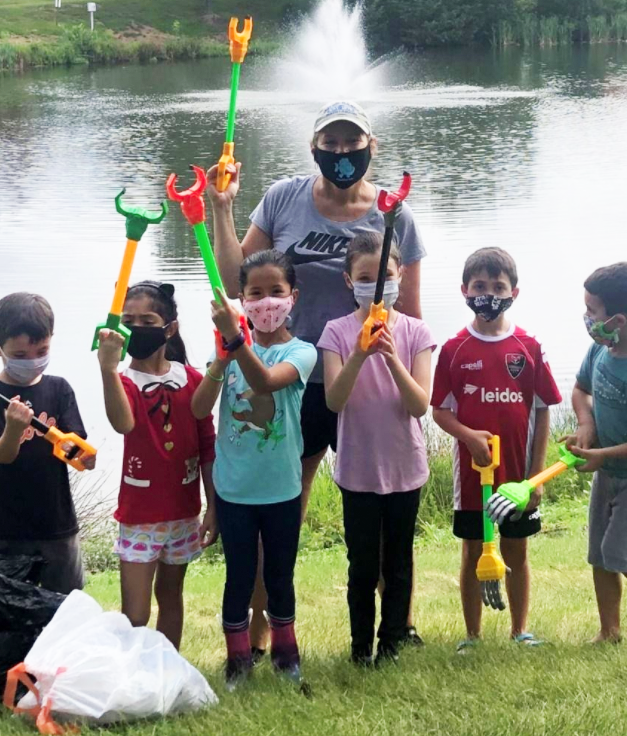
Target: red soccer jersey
{"x":494,"y":384}
{"x":164,"y":452}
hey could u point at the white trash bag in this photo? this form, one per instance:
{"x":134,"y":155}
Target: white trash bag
{"x":93,"y":665}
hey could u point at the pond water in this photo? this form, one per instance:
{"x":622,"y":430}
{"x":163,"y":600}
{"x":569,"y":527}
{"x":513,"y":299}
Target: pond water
{"x":525,"y":150}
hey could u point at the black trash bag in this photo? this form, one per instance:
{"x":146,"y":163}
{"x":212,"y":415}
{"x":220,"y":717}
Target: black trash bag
{"x":13,"y":649}
{"x":25,"y":568}
{"x":25,"y":608}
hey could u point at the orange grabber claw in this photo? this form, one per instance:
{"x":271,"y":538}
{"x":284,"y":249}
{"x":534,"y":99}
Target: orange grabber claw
{"x":390,"y":204}
{"x":73,"y":456}
{"x":238,"y":40}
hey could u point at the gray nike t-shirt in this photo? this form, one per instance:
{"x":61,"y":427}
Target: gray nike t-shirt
{"x":317,"y":246}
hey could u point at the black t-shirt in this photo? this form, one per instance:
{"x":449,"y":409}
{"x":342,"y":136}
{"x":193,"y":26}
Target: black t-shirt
{"x":35,"y":498}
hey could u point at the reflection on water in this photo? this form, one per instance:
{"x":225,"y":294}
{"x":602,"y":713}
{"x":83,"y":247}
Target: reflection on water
{"x":521,"y":150}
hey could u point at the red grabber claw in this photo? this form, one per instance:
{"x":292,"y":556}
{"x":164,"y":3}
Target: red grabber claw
{"x":192,"y":202}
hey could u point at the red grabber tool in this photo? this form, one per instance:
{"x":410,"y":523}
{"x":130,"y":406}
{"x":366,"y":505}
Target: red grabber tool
{"x":390,"y":204}
{"x":193,"y":207}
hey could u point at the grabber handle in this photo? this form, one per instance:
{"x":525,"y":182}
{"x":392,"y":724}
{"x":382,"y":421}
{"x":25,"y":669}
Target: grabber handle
{"x":487,"y":471}
{"x":74,"y":456}
{"x":113,"y":323}
{"x":373,"y":325}
{"x":221,"y":351}
{"x":238,"y":40}
{"x":567,"y":460}
{"x":224,"y":177}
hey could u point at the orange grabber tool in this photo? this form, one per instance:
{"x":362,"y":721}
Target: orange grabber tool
{"x":490,"y":569}
{"x":238,"y":46}
{"x":75,"y":455}
{"x":390,"y":204}
{"x":137,"y":220}
{"x":193,"y":207}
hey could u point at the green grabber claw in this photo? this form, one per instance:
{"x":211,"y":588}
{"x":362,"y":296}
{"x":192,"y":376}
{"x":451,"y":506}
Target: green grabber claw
{"x":137,"y":220}
{"x":511,"y":498}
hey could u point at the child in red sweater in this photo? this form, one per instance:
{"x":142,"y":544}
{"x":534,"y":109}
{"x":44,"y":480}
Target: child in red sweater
{"x":165,"y":451}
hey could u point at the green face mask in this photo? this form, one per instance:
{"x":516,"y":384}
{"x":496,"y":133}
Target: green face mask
{"x":599,"y":333}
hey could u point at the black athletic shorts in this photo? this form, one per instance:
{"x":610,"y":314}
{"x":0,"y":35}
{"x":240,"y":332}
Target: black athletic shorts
{"x":318,"y":424}
{"x":469,"y":525}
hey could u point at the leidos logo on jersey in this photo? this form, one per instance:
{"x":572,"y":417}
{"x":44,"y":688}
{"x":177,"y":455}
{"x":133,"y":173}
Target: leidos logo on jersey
{"x":501,"y":397}
{"x":496,"y":396}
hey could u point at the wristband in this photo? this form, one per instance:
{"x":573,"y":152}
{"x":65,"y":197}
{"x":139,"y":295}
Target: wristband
{"x":235,"y":343}
{"x":214,"y":378}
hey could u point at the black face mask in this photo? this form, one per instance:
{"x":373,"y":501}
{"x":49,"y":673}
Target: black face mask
{"x":145,"y":341}
{"x":488,"y":306}
{"x":343,"y":169}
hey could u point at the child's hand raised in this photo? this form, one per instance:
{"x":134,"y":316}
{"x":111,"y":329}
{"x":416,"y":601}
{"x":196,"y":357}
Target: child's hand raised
{"x":363,"y":354}
{"x":110,"y":349}
{"x":225,"y":317}
{"x":386,"y":345}
{"x":18,"y":416}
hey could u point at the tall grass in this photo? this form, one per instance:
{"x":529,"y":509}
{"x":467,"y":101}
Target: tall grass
{"x":78,"y":45}
{"x":530,"y":30}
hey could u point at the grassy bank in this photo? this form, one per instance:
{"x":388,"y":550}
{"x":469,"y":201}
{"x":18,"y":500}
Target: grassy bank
{"x":78,"y":45}
{"x":323,"y":528}
{"x":565,"y":687}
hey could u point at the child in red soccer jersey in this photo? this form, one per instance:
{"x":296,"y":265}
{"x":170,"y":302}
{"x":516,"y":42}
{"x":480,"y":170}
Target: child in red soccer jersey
{"x":492,"y":378}
{"x":165,"y":452}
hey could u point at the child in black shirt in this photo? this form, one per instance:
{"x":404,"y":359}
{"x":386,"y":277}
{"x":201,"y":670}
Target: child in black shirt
{"x":36,"y":509}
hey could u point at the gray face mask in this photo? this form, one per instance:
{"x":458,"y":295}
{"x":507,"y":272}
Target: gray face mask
{"x":364,"y":293}
{"x":24,"y":371}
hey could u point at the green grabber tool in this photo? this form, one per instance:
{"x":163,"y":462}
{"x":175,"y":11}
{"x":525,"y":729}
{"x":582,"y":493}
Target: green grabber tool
{"x":137,"y":220}
{"x":490,"y":569}
{"x":512,"y":498}
{"x":238,"y":45}
{"x":193,"y":207}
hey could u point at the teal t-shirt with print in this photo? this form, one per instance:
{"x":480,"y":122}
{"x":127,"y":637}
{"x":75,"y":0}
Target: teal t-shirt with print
{"x":604,"y":376}
{"x":259,"y":437}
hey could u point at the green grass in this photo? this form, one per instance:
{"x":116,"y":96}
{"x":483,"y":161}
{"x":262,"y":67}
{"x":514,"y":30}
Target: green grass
{"x":192,"y":17}
{"x":565,"y":687}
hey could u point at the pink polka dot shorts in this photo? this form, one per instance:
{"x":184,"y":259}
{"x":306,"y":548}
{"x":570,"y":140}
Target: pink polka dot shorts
{"x":170,"y":542}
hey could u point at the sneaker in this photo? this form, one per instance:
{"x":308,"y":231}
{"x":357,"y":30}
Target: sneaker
{"x":412,"y":638}
{"x":386,"y":653}
{"x":235,"y":673}
{"x":362,"y":656}
{"x":466,"y":645}
{"x":527,"y":639}
{"x":257,"y":655}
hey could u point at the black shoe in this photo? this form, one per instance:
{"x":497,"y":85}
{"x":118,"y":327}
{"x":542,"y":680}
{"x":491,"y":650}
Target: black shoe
{"x":362,"y":656}
{"x":257,"y":655}
{"x":386,"y":653}
{"x":411,"y":638}
{"x":235,"y":672}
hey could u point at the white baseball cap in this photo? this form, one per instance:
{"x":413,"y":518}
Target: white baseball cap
{"x":349,"y":111}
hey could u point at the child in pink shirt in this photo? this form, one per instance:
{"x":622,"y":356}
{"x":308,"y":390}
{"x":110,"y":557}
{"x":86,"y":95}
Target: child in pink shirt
{"x":380,"y":395}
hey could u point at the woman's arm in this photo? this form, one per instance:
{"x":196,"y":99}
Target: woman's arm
{"x":228,"y":250}
{"x":118,"y":408}
{"x":409,"y":296}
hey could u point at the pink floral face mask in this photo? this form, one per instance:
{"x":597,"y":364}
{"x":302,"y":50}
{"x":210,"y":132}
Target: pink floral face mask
{"x":269,"y":313}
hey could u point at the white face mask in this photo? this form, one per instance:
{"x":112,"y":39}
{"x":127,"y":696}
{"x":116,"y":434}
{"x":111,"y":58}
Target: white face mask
{"x":364,"y":293}
{"x":23,"y":370}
